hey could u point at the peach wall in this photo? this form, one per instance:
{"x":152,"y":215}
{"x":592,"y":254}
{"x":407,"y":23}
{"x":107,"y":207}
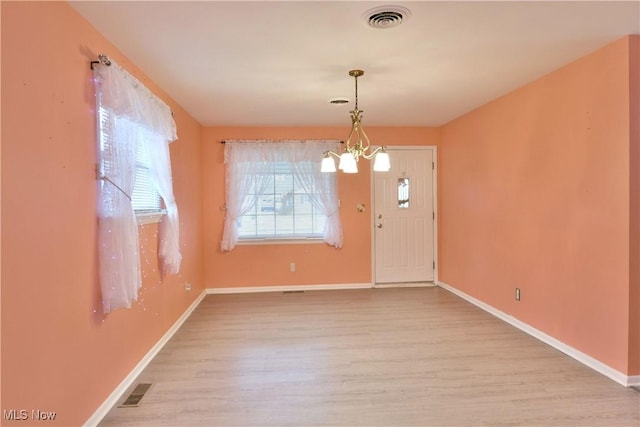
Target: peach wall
{"x":58,"y":352}
{"x":266,"y":265}
{"x":0,"y":216}
{"x":534,"y":193}
{"x":634,"y":212}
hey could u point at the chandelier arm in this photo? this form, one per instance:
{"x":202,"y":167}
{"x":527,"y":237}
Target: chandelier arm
{"x":349,"y":141}
{"x":373,"y":153}
{"x":336,"y":155}
{"x":366,"y":139}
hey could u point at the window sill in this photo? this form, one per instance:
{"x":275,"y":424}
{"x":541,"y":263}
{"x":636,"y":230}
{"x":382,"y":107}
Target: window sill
{"x":145,"y":218}
{"x":293,"y":241}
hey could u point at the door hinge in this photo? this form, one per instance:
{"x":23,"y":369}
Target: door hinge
{"x":434,"y":265}
{"x":434,"y":215}
{"x":433,"y":166}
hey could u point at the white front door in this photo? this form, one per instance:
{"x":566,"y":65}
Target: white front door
{"x":404,"y":217}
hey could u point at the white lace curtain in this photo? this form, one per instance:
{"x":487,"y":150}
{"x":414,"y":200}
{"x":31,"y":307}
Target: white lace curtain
{"x":129,"y":114}
{"x":247,"y":162}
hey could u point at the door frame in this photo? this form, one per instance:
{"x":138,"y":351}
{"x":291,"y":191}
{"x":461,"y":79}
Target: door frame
{"x":434,"y":189}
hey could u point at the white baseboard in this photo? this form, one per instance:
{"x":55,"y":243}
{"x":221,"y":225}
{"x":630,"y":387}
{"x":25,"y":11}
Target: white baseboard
{"x":250,"y":289}
{"x":405,"y":285}
{"x":633,"y":381}
{"x":113,"y":398}
{"x":581,"y":357}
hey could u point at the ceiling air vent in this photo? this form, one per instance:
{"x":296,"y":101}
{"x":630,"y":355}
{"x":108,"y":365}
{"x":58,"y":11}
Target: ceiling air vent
{"x":386,"y":16}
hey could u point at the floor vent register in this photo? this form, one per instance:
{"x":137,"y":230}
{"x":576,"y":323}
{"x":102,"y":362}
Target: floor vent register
{"x":134,"y":399}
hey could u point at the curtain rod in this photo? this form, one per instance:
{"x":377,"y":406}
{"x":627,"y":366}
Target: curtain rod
{"x":341,"y":142}
{"x":102,"y":59}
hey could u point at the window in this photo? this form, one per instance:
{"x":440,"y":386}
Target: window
{"x":275,"y":190}
{"x":145,"y":199}
{"x":282,"y":209}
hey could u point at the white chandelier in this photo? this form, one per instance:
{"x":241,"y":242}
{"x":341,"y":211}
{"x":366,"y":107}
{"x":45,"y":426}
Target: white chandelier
{"x":357,"y":145}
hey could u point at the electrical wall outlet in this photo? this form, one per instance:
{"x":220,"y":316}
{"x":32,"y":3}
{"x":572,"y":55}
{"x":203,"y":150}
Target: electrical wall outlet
{"x":292,"y":267}
{"x":187,"y":287}
{"x":517,"y":294}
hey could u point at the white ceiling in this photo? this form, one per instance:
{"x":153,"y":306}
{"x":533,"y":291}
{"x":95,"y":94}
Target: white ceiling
{"x":278,"y":63}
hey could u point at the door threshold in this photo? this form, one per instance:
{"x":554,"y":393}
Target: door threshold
{"x":404,"y":285}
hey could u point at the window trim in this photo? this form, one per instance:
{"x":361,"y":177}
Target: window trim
{"x":147,"y":217}
{"x":280,"y":241}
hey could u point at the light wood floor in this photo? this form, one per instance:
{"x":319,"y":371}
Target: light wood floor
{"x":371,"y":357}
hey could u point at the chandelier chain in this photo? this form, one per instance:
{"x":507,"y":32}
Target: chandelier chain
{"x":356,"y":77}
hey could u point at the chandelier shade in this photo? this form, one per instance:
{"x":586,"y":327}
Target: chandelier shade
{"x":328,"y":165}
{"x":348,"y":163}
{"x":381,"y":162}
{"x":357,"y":144}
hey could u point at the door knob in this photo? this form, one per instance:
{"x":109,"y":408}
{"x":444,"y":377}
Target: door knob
{"x":379,"y":225}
